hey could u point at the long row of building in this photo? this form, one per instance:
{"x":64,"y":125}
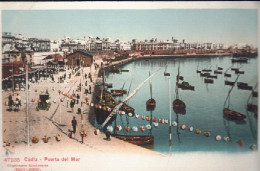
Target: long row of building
{"x":17,"y":47}
{"x":97,"y":44}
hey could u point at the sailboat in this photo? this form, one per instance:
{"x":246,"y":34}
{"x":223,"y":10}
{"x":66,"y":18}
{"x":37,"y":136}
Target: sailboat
{"x":151,"y":103}
{"x":250,"y":106}
{"x":227,"y":74}
{"x":105,"y":103}
{"x":179,"y":106}
{"x":134,"y":139}
{"x":166,"y":73}
{"x":231,"y":114}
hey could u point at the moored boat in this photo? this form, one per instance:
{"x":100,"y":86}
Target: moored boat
{"x":229,"y":83}
{"x":151,"y":102}
{"x":179,"y":77}
{"x":166,"y":74}
{"x":185,"y":86}
{"x":204,"y":74}
{"x":227,"y":75}
{"x":217,"y":72}
{"x":179,"y":106}
{"x":137,"y":140}
{"x":239,"y":72}
{"x":252,"y":108}
{"x":240,"y":60}
{"x":207,"y":80}
{"x":206,"y":70}
{"x":244,"y":86}
{"x":233,"y":115}
{"x":212,"y":76}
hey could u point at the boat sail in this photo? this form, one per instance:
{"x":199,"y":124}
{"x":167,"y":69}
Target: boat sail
{"x":231,"y":114}
{"x":151,"y":103}
{"x":138,"y":140}
{"x":179,"y":106}
{"x":105,"y":102}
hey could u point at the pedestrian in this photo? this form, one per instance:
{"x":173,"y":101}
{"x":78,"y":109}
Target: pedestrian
{"x":89,"y":88}
{"x":74,"y":124}
{"x":107,"y":135}
{"x":10,"y":102}
{"x":78,"y":97}
{"x":17,"y":104}
{"x":72,"y":103}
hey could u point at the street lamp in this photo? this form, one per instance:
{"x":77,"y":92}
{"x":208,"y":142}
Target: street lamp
{"x":27,"y":104}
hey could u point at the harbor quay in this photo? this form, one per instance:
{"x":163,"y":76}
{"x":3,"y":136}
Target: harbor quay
{"x":56,"y":121}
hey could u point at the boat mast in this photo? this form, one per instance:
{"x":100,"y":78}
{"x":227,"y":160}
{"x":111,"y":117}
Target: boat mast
{"x":126,"y":99}
{"x":150,"y":86}
{"x":177,"y":83}
{"x":103,"y":88}
{"x":228,"y":96}
{"x":252,"y":92}
{"x":170,"y":115}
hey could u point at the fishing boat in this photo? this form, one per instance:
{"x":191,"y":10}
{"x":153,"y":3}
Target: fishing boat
{"x":227,"y":75}
{"x":206,"y":70}
{"x":118,"y":92}
{"x":179,"y":77}
{"x":137,"y":140}
{"x":244,"y":86}
{"x":207,"y":80}
{"x":179,"y":106}
{"x":185,"y":86}
{"x":198,"y":71}
{"x":231,"y":114}
{"x":251,"y":107}
{"x":212,"y":76}
{"x":234,"y":69}
{"x":105,"y":103}
{"x":134,"y":139}
{"x":231,"y":83}
{"x":166,"y":73}
{"x":239,"y":72}
{"x":151,"y":103}
{"x":217,"y":72}
{"x":244,"y":54}
{"x":240,"y":60}
{"x":204,"y":74}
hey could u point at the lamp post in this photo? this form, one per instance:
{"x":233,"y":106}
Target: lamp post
{"x":27,"y":105}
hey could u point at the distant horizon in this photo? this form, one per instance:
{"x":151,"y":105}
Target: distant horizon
{"x":227,"y":26}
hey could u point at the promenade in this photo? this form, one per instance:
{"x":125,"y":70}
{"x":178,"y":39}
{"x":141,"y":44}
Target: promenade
{"x":57,"y":120}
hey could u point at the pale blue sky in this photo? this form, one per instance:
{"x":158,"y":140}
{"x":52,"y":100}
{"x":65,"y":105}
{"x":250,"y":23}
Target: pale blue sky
{"x":209,"y":25}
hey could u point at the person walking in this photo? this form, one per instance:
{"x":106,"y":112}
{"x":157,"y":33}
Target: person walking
{"x":74,"y":125}
{"x":89,"y":88}
{"x":72,"y":104}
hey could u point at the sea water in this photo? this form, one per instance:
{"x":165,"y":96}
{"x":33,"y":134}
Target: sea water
{"x":204,"y":106}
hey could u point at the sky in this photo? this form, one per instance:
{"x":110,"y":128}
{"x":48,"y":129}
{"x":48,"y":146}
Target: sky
{"x":227,"y":26}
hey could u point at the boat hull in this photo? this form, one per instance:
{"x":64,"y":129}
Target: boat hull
{"x":233,"y":115}
{"x":137,"y":140}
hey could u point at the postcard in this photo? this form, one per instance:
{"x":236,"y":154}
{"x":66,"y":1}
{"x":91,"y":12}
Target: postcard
{"x":129,"y":85}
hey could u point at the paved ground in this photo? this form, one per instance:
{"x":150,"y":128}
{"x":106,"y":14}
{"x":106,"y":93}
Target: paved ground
{"x":57,"y":120}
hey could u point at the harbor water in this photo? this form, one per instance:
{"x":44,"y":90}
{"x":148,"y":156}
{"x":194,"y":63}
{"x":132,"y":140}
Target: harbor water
{"x":204,"y":106}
